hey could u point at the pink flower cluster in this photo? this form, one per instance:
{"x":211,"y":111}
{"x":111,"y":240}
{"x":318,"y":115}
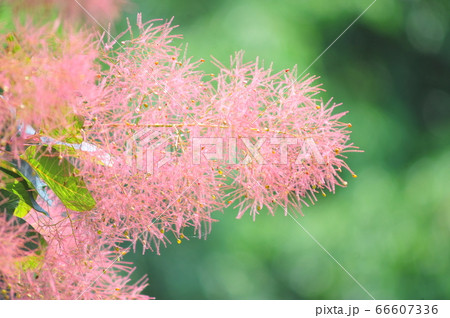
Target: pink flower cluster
{"x":104,"y":11}
{"x":42,"y":77}
{"x":152,"y":87}
{"x":69,"y":268}
{"x":145,"y":85}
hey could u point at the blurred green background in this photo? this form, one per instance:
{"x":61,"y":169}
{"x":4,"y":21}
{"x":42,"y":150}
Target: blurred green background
{"x":391,"y":227}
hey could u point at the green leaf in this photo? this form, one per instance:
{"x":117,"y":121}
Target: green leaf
{"x":66,"y":149}
{"x":22,"y":209}
{"x":71,"y":133}
{"x":66,"y":135}
{"x":8,"y":201}
{"x":59,"y":174}
{"x":33,"y":179}
{"x":30,"y":262}
{"x":19,"y":191}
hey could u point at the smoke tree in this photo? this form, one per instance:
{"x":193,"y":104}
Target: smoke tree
{"x":109,"y":141}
